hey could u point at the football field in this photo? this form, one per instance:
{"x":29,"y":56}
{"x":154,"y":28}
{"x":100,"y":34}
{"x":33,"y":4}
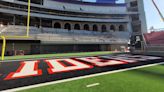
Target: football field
{"x":150,"y":79}
{"x":83,"y":72}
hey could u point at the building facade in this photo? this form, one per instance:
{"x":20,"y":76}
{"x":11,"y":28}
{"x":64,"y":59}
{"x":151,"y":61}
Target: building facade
{"x":66,"y":26}
{"x":138,"y":24}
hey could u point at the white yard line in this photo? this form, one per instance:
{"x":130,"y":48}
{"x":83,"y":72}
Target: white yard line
{"x":92,"y":85}
{"x":77,"y":78}
{"x":53,"y":57}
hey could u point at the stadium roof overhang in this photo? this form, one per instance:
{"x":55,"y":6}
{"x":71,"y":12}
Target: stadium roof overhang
{"x":64,"y":17}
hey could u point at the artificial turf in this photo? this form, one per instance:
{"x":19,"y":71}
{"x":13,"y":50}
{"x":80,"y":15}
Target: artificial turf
{"x":57,"y":55}
{"x":150,"y":79}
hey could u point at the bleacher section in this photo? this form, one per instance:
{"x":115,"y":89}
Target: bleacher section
{"x":155,"y":38}
{"x":154,"y":42}
{"x":51,"y":35}
{"x":2,"y":28}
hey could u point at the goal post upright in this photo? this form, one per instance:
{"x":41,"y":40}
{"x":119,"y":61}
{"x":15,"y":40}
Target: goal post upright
{"x":3,"y":47}
{"x":28,"y":18}
{"x":3,"y":37}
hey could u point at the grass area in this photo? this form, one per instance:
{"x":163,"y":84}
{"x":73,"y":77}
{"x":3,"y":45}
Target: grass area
{"x":150,"y":79}
{"x":56,"y":55}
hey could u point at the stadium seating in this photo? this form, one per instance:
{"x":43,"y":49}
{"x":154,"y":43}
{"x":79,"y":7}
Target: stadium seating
{"x":18,"y":30}
{"x":155,"y":38}
{"x":2,"y":29}
{"x":64,"y":35}
{"x":155,"y":42}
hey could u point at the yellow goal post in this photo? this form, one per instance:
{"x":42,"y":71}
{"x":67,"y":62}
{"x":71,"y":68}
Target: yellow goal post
{"x":3,"y":37}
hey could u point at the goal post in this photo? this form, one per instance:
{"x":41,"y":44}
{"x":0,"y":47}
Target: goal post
{"x":3,"y":47}
{"x":4,"y":36}
{"x":28,"y":18}
{"x":28,"y":24}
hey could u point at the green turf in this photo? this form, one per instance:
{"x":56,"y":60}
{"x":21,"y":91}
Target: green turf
{"x":149,"y":79}
{"x":56,"y":55}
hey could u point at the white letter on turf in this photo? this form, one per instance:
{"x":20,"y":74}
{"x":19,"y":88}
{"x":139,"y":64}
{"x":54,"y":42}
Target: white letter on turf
{"x":27,"y":68}
{"x":101,"y":62}
{"x":57,"y":66}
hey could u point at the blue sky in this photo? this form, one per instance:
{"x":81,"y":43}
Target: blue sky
{"x":152,"y":16}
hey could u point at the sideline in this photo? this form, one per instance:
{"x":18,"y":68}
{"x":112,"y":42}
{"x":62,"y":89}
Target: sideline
{"x":59,"y":57}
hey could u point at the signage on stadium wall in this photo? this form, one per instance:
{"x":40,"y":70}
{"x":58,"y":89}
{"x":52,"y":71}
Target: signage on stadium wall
{"x":21,"y":73}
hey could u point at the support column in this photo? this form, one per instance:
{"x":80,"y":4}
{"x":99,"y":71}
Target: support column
{"x":14,"y":20}
{"x":40,"y":23}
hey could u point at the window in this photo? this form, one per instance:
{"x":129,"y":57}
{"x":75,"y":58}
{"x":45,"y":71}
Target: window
{"x":86,"y":27}
{"x":95,"y":28}
{"x":112,"y":27}
{"x":103,"y":28}
{"x":133,"y":4}
{"x":67,"y":26}
{"x":121,"y":28}
{"x":77,"y":27}
{"x":57,"y":25}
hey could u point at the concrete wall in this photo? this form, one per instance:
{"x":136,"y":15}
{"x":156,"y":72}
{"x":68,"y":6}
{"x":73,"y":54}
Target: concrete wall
{"x":140,"y":12}
{"x":59,"y":48}
{"x":119,"y":47}
{"x":26,"y":47}
{"x":113,"y":9}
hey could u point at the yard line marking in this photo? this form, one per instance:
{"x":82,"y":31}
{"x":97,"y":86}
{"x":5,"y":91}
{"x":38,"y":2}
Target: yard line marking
{"x":92,"y":85}
{"x":77,"y":78}
{"x":54,"y":57}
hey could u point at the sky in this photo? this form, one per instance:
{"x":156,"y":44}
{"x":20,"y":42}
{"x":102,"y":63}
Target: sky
{"x":152,"y":16}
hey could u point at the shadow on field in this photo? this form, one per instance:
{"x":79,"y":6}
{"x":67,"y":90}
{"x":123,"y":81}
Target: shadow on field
{"x":162,"y":65}
{"x":150,"y":73}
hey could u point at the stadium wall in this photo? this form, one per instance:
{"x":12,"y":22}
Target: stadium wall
{"x":28,"y":48}
{"x":111,"y":20}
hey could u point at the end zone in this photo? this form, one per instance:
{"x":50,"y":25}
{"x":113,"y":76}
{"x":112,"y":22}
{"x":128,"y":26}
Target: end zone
{"x":64,"y":69}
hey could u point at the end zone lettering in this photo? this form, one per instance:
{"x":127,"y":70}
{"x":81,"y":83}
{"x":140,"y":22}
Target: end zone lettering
{"x":58,"y":66}
{"x":26,"y":69}
{"x":30,"y":68}
{"x":102,"y":62}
